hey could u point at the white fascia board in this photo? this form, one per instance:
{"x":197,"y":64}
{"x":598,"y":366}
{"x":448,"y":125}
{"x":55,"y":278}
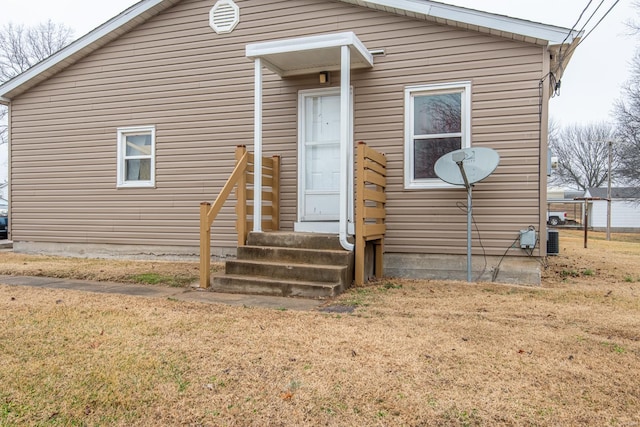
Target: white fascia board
{"x":300,"y":44}
{"x":84,"y":42}
{"x":550,"y":33}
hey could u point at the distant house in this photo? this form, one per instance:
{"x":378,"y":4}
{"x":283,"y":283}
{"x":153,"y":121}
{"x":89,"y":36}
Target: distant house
{"x":116,"y":139}
{"x":625,"y":209}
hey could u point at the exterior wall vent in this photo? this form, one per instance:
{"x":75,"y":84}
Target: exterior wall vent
{"x":224,"y":16}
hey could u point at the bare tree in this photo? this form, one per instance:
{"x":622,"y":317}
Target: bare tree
{"x":627,"y":115}
{"x":583,"y":155}
{"x":22,"y":47}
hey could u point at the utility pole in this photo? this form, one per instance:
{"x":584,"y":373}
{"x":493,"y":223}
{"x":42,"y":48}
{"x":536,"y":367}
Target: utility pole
{"x":609,"y":194}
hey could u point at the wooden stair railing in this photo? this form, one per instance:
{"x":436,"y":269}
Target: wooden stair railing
{"x":241,"y":178}
{"x":371,"y":182}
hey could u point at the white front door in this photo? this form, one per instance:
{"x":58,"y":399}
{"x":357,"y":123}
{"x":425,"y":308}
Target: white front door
{"x":319,"y":145}
{"x":319,"y":161}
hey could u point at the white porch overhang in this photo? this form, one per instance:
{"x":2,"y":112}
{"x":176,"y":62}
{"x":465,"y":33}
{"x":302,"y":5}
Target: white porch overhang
{"x":308,"y":55}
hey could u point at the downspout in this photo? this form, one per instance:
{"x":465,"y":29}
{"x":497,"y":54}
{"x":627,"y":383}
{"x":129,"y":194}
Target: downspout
{"x":7,"y":102}
{"x":257,"y":148}
{"x":543,"y":133}
{"x":345,"y":144}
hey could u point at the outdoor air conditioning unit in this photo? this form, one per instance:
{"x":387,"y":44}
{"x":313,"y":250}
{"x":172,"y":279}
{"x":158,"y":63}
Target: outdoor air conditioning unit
{"x":553,"y":242}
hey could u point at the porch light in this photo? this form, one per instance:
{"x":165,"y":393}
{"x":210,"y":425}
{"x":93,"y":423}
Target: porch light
{"x":324,"y":77}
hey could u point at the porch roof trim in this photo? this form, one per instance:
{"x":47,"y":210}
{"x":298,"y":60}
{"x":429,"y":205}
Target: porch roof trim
{"x":311,"y":54}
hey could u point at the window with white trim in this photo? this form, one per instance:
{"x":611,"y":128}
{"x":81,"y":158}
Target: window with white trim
{"x":437,"y":121}
{"x":136,"y":156}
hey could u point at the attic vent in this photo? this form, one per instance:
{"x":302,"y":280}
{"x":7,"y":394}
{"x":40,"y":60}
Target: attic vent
{"x":224,"y":16}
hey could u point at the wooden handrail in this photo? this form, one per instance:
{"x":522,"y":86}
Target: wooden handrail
{"x":241,"y":178}
{"x":371,"y":182}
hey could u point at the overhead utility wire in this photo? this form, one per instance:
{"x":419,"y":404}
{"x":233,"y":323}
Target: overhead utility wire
{"x":574,"y":27}
{"x":571,"y":50}
{"x":595,"y":26}
{"x":561,"y":58}
{"x":553,"y":82}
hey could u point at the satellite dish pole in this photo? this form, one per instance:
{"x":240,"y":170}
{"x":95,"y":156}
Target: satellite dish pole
{"x":466,"y":167}
{"x":459,"y":157}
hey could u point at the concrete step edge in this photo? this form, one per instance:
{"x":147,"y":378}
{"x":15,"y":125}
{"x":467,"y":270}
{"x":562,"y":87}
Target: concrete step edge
{"x":275,"y":281}
{"x":295,"y":240}
{"x":285,"y":264}
{"x":296,"y":255}
{"x":266,"y":286}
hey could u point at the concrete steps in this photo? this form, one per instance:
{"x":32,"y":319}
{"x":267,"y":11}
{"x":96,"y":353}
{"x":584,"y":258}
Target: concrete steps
{"x":308,"y":265}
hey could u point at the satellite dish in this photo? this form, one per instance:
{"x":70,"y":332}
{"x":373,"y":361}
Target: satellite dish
{"x":465,"y":167}
{"x":478,"y":162}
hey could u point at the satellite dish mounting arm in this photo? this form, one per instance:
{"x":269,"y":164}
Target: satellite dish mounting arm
{"x":459,"y":157}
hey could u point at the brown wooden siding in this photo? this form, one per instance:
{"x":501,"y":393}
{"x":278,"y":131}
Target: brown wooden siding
{"x":196,"y":87}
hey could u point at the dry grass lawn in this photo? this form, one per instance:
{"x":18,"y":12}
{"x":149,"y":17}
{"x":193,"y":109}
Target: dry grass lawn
{"x":413,"y":353}
{"x":105,"y":270}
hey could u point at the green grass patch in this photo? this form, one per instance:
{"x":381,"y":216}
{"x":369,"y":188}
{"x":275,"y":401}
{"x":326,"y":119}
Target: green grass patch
{"x":391,"y":285}
{"x":615,"y":347}
{"x":569,"y":273}
{"x":358,"y":297}
{"x":162,"y":279}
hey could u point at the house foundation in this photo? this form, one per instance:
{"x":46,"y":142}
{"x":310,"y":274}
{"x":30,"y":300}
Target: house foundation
{"x":515,"y":270}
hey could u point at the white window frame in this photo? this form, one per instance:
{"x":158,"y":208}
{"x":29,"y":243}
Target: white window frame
{"x":410,"y":182}
{"x":122,"y":156}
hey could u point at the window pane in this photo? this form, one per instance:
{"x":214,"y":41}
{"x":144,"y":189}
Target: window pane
{"x":437,"y":114}
{"x":322,"y":118}
{"x":138,"y":145}
{"x":428,"y":151}
{"x":138,"y":170}
{"x":323,"y":167}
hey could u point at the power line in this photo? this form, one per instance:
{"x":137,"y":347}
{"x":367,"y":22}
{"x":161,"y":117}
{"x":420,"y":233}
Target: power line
{"x":561,"y":57}
{"x":597,"y":24}
{"x":592,"y":15}
{"x":574,"y":27}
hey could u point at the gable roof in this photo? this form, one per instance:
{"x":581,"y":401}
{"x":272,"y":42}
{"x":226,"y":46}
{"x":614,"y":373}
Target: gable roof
{"x":459,"y":17}
{"x":616,"y":192}
{"x":475,"y":20}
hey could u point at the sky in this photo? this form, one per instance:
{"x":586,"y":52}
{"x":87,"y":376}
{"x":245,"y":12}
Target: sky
{"x":591,"y":83}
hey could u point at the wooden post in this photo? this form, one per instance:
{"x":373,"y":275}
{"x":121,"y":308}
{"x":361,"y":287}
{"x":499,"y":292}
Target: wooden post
{"x":241,"y":205}
{"x":379,"y":248}
{"x":205,"y":245}
{"x":586,"y":221}
{"x":275,"y":189}
{"x":360,"y":242}
{"x":379,"y":267}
